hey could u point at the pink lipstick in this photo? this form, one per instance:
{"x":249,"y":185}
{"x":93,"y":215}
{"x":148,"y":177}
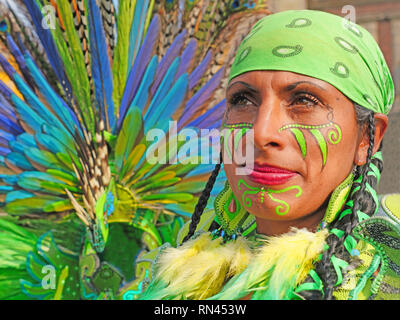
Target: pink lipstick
{"x":269,"y":175}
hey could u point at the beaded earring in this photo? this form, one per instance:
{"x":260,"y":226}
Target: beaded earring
{"x":232,"y":222}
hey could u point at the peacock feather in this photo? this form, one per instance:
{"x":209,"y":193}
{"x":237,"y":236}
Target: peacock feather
{"x":83,"y":84}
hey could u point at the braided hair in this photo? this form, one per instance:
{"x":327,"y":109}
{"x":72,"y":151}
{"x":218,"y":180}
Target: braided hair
{"x":202,"y":202}
{"x":361,"y":200}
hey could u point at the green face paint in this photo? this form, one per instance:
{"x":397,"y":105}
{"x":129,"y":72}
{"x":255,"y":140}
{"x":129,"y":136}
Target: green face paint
{"x":283,"y":207}
{"x":238,"y":130}
{"x":334,"y":136}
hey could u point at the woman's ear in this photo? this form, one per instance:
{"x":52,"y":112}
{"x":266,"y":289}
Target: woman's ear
{"x":381,"y":123}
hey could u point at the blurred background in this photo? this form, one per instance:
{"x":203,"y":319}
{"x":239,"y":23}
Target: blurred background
{"x":382,"y":19}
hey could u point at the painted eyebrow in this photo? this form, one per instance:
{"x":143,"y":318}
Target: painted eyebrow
{"x":249,"y":87}
{"x":292,"y":86}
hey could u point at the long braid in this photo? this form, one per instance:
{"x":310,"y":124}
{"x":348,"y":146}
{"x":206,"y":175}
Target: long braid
{"x":202,"y":202}
{"x":360,"y":200}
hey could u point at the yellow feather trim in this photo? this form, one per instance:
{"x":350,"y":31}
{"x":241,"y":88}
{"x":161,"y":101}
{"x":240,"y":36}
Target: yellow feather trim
{"x":200,"y":267}
{"x":289,"y":256}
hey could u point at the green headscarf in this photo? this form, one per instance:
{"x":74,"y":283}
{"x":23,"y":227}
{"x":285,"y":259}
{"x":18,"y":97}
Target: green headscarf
{"x":323,"y":46}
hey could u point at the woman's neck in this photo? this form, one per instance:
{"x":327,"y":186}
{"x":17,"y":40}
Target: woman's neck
{"x":278,"y":227}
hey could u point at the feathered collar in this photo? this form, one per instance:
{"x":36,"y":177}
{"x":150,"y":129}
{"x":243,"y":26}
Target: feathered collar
{"x":209,"y":268}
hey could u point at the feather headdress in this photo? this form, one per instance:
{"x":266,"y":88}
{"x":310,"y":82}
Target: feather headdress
{"x":85,"y":82}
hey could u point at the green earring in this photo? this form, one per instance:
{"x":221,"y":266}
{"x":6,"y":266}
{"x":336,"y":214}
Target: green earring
{"x":337,"y":199}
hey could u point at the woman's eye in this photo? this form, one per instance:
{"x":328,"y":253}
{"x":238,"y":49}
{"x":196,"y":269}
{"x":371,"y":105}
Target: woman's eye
{"x":306,"y":100}
{"x":240,"y":100}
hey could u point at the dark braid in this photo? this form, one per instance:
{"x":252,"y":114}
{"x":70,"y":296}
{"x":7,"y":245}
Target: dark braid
{"x":360,"y":199}
{"x":202,"y":202}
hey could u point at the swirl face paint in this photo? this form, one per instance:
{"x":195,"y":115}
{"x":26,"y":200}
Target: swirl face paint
{"x":281,"y":209}
{"x":334,"y":136}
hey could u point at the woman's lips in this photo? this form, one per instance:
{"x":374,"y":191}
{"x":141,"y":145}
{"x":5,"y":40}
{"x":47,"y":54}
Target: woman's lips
{"x":269,"y":175}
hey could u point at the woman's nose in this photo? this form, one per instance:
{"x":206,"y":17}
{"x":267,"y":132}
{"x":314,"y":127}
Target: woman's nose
{"x":266,"y":128}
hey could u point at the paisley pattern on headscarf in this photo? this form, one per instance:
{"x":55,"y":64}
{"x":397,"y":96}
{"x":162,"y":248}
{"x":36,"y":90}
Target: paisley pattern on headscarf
{"x":323,"y":46}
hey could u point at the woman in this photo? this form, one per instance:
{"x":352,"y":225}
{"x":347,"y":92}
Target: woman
{"x":304,"y":221}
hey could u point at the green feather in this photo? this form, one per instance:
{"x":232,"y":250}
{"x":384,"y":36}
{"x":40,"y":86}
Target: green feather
{"x":63,"y":176}
{"x":168,"y":197}
{"x":186,"y":186}
{"x":74,"y":62}
{"x":132,"y":161}
{"x":130,"y":130}
{"x":59,"y":206}
{"x":159,"y":184}
{"x":121,"y":52}
{"x":30,"y":205}
{"x":155,"y":178}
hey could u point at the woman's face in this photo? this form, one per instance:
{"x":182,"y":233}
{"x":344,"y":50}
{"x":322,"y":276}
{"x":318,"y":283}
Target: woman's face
{"x":305,"y":140}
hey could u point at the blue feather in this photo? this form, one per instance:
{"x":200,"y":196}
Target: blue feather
{"x":40,"y":158}
{"x":198,"y":72}
{"x":6,"y":66}
{"x":136,"y":32}
{"x":48,"y":43}
{"x":16,"y":146}
{"x":35,"y":103}
{"x":50,"y":143}
{"x":3,"y":152}
{"x":16,"y":195}
{"x":6,"y":189}
{"x":39,"y":108}
{"x":3,"y":143}
{"x":201,"y":97}
{"x":155,"y":106}
{"x":6,"y":108}
{"x":19,"y":57}
{"x":170,"y":103}
{"x":27,"y":139}
{"x":187,"y":57}
{"x":6,"y":135}
{"x":210,"y":117}
{"x":37,"y":175}
{"x":5,"y":91}
{"x":10,"y":179}
{"x":141,"y":97}
{"x":101,"y":70}
{"x":27,"y":92}
{"x":57,"y":134}
{"x":27,"y":115}
{"x":171,"y":54}
{"x":10,"y":125}
{"x":58,"y":105}
{"x":18,"y":160}
{"x":3,"y":26}
{"x":139,"y":67}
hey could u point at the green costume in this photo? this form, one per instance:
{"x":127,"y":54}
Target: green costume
{"x":330,"y":48}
